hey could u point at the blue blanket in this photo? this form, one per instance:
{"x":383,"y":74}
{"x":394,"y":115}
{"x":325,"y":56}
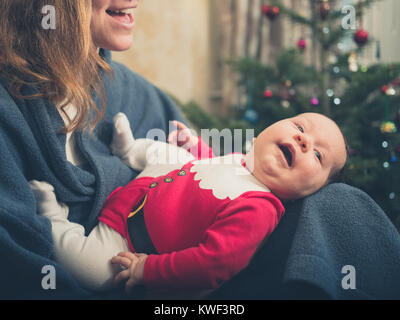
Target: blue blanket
{"x":32,"y":148}
{"x":336,"y":244}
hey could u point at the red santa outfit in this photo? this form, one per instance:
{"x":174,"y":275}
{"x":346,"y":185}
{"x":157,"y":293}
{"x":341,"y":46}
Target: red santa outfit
{"x":200,"y":223}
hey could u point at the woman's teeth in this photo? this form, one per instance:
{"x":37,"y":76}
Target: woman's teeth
{"x":126,"y":11}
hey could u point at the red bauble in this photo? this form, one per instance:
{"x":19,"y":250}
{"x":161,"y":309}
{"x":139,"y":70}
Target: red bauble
{"x":384,"y":88}
{"x":302,"y":44}
{"x":268,"y":94}
{"x":361,"y":37}
{"x":271,"y":11}
{"x":324,"y":10}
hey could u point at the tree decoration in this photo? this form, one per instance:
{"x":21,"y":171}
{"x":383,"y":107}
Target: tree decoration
{"x":361,"y":37}
{"x":324,"y":9}
{"x":390,"y":91}
{"x":337,"y":101}
{"x":388,"y":127}
{"x":314,"y":102}
{"x":292,"y":94}
{"x":378,"y":50}
{"x":271,"y":12}
{"x":251,"y":116}
{"x":302,"y":44}
{"x":386,"y":165}
{"x":268,"y":94}
{"x":285,"y":104}
{"x":353,"y":64}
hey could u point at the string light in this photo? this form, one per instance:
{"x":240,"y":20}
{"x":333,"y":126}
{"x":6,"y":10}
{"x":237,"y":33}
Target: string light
{"x":386,"y":165}
{"x":336,"y":69}
{"x":340,"y":46}
{"x":337,"y":101}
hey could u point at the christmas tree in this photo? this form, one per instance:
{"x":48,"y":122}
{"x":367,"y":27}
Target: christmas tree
{"x":362,"y":99}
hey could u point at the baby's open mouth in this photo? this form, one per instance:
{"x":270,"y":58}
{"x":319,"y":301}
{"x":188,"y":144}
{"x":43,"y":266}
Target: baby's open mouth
{"x":287,"y":152}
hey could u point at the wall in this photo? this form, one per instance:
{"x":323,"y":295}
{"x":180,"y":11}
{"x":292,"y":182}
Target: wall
{"x":171,"y":47}
{"x":383,"y":23}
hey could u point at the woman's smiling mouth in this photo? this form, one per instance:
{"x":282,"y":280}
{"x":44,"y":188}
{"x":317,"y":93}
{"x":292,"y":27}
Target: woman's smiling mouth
{"x":124,"y":16}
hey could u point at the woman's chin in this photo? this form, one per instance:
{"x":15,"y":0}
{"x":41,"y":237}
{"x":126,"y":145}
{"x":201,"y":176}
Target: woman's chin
{"x":121,"y":45}
{"x":118,"y":44}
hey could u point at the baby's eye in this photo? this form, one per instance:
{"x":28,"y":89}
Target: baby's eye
{"x":318,"y":155}
{"x":300,"y":128}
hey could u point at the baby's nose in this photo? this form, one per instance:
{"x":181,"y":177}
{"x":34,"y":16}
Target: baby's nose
{"x":302,"y":142}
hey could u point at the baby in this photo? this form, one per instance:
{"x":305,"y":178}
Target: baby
{"x":193,"y":223}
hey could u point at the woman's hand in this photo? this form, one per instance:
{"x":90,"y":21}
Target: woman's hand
{"x":134,"y":265}
{"x":182,"y":137}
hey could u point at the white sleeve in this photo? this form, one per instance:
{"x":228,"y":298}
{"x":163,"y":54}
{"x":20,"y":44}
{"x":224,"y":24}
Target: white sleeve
{"x":87,"y":258}
{"x":155,"y":158}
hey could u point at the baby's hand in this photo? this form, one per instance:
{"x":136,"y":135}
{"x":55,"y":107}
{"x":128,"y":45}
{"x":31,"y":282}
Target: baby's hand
{"x":46,"y":201}
{"x":134,"y":264}
{"x":182,"y":137}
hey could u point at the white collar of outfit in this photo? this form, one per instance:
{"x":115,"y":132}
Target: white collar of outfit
{"x":226,"y":176}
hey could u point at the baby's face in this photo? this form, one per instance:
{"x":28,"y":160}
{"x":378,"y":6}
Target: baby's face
{"x":295,"y":157}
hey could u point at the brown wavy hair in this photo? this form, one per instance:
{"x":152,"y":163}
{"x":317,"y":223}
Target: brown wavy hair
{"x":62,"y":63}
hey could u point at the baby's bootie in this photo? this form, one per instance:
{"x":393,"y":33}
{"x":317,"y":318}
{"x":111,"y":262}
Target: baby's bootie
{"x":122,"y":136}
{"x":46,"y":201}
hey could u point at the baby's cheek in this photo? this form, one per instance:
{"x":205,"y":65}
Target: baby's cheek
{"x":311,"y":179}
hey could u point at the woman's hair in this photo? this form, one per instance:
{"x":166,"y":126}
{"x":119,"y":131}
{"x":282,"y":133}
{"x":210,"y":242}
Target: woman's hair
{"x":62,"y":63}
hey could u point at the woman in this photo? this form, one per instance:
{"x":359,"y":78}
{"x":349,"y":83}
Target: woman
{"x":59,"y":91}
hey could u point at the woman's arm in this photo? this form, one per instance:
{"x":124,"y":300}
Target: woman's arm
{"x":26,"y":243}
